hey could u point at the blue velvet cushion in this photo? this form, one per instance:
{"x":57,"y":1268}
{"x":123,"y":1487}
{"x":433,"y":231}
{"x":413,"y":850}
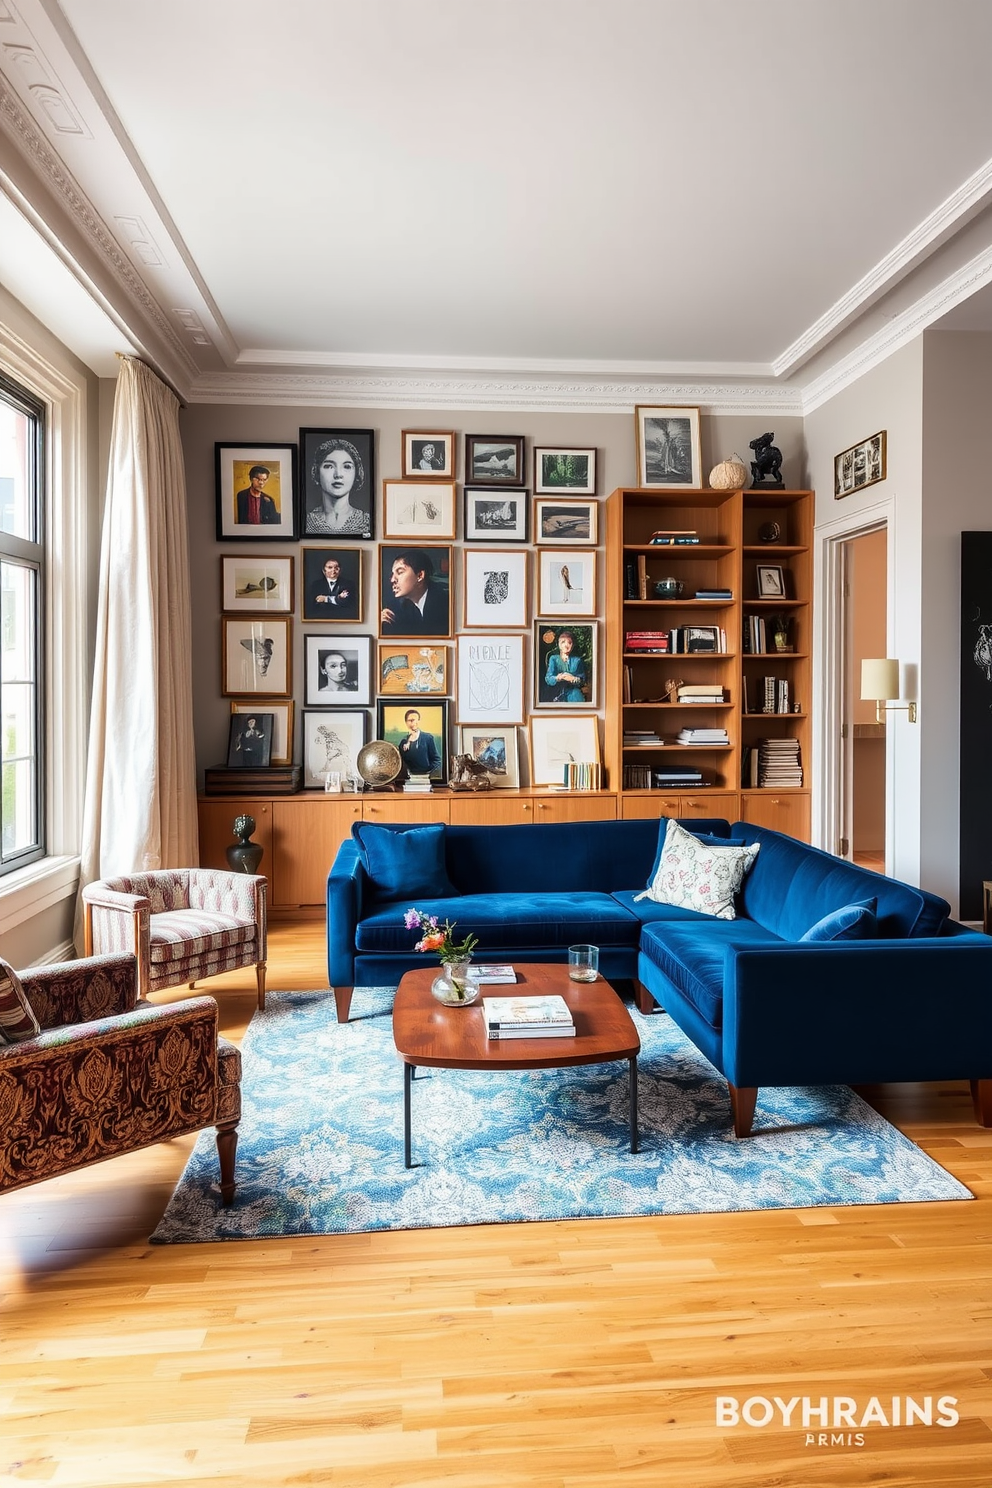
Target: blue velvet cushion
{"x":852,"y":922}
{"x":691,"y":956}
{"x":508,"y":922}
{"x":404,"y":862}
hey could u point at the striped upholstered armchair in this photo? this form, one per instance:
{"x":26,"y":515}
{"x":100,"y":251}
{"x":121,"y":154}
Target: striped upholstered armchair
{"x":88,"y":1070}
{"x":181,"y":923}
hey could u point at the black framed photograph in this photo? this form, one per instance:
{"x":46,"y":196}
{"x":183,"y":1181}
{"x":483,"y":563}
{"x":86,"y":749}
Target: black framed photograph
{"x":331,"y":743}
{"x":338,"y":483}
{"x":256,"y":492}
{"x":668,"y":448}
{"x":494,"y":459}
{"x":282,"y":726}
{"x":564,"y":665}
{"x":257,"y":657}
{"x":771,"y":581}
{"x":561,"y":521}
{"x":702,"y":638}
{"x":332,"y":584}
{"x":414,"y":590}
{"x":427,"y":454}
{"x":420,"y":732}
{"x":861,"y":465}
{"x":337,"y":671}
{"x":250,"y":741}
{"x":256,"y":584}
{"x":496,"y":518}
{"x":564,"y":470}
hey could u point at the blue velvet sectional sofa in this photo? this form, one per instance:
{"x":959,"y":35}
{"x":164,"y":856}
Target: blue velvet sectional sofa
{"x":913,"y":1002}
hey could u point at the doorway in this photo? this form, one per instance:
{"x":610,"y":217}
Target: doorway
{"x":863,"y":561}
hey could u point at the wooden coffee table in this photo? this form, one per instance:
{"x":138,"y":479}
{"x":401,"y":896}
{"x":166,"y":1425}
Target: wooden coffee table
{"x":428,"y":1034}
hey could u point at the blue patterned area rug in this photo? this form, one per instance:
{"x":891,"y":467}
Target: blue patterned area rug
{"x":321,"y":1140}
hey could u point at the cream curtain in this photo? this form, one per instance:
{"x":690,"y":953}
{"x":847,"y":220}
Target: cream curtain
{"x":140,"y":803}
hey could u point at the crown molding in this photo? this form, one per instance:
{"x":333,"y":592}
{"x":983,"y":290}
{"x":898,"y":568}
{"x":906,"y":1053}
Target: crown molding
{"x":900,"y":330}
{"x":970,"y":198}
{"x":483,"y":391}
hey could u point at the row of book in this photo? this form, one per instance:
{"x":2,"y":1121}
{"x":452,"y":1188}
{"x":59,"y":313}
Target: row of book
{"x":668,"y":777}
{"x":708,"y":736}
{"x":675,"y":537}
{"x":583,"y":775}
{"x":417,"y":785}
{"x":773,"y":763}
{"x":528,"y":1017}
{"x":757,"y":634}
{"x":638,"y":585}
{"x":766,"y":695}
{"x":680,"y":640}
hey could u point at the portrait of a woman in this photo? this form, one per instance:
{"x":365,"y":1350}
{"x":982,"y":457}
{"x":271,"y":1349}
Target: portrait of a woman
{"x":339,"y":482}
{"x":564,"y":659}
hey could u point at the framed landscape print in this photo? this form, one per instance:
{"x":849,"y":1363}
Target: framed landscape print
{"x":257,"y":657}
{"x":668,"y":450}
{"x":422,"y":510}
{"x":428,"y":455}
{"x":420,"y":732}
{"x":282,"y":727}
{"x":566,"y":581}
{"x":256,"y":492}
{"x":414,"y":591}
{"x":337,"y":485}
{"x":494,"y":459}
{"x":494,"y":746}
{"x":411,"y":670}
{"x":564,"y":471}
{"x":861,"y":465}
{"x":337,"y":670}
{"x":332,"y":584}
{"x":331,"y":742}
{"x":256,"y":584}
{"x":492,"y":517}
{"x":495,"y":587}
{"x":558,"y":740}
{"x":491,"y":679}
{"x":560,"y":521}
{"x":564,"y":665}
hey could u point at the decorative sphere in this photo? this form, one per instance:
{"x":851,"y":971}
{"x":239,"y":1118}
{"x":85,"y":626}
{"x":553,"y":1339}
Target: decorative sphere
{"x":729,"y":475}
{"x":769,"y":532}
{"x":379,"y":763}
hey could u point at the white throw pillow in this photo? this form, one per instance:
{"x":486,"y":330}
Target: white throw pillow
{"x":692,"y":875}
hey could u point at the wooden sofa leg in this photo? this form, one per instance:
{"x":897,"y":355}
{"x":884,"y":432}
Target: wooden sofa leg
{"x":260,"y":980}
{"x":981,"y":1095}
{"x":742,"y":1104}
{"x":342,"y":1002}
{"x":645,"y":1002}
{"x":227,"y":1146}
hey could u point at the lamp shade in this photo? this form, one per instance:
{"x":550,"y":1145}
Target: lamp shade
{"x":879,"y":679}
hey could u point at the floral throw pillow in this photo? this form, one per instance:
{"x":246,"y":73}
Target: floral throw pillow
{"x":693,"y":875}
{"x":17,"y":1021}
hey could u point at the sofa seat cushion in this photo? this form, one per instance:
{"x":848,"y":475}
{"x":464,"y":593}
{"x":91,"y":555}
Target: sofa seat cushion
{"x":181,"y":935}
{"x":691,"y":957}
{"x":505,"y":922}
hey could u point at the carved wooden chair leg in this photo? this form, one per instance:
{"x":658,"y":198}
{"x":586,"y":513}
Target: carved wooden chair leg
{"x":192,"y":984}
{"x":342,"y":1002}
{"x":260,"y":979}
{"x":227,"y":1146}
{"x":645,"y":1002}
{"x":742,"y":1104}
{"x":981,"y":1095}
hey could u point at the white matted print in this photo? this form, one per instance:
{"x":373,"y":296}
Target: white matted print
{"x":564,"y":470}
{"x":560,"y":521}
{"x":566,"y":582}
{"x":257,"y":657}
{"x":495,"y":747}
{"x":495,"y":587}
{"x":496,"y":516}
{"x":428,"y":455}
{"x":421,"y":509}
{"x":338,"y":670}
{"x":557,"y":740}
{"x":491,"y":679}
{"x":282,"y":728}
{"x":257,"y":584}
{"x":331,"y":742}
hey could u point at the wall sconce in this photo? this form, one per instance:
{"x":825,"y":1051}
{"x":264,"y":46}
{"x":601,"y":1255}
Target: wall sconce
{"x":879,"y":682}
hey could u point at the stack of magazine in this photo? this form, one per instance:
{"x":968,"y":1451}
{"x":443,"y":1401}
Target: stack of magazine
{"x":527,"y":1017}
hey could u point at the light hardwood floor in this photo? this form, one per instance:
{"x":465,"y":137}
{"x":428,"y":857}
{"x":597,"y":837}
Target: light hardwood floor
{"x":564,"y":1355}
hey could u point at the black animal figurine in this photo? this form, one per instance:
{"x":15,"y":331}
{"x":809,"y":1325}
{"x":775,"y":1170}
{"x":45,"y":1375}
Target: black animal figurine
{"x":766,"y":467}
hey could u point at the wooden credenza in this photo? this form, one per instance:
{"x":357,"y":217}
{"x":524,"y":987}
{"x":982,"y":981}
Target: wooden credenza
{"x":301,"y":834}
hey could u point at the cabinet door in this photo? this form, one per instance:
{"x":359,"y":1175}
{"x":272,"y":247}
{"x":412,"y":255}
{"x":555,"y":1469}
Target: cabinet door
{"x":783,"y":811}
{"x":215,"y":819}
{"x":403,"y":809}
{"x":490,"y":809}
{"x":708,"y":803}
{"x":306,"y":834}
{"x":578,"y":807}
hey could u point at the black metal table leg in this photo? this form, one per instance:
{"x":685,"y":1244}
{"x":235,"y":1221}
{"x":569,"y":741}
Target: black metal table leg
{"x":635,"y":1144}
{"x":407,"y":1082}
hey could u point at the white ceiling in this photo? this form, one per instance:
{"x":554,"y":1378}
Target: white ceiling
{"x":598,"y":195}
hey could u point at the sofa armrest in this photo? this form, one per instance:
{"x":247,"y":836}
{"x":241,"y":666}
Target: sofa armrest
{"x":346,"y":889}
{"x":858,"y":1012}
{"x":81,"y":991}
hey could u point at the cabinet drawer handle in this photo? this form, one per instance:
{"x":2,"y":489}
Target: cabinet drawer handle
{"x":692,"y":803}
{"x":527,"y":806}
{"x":541,"y":806}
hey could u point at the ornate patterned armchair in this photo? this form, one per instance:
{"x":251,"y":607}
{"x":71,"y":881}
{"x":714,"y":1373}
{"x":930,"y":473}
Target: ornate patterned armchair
{"x":109,"y":1073}
{"x":181,"y":923}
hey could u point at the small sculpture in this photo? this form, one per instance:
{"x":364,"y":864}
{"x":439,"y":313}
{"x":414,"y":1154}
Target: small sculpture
{"x":244,"y":856}
{"x":766,"y":467}
{"x":468,"y":774}
{"x":672,"y":688}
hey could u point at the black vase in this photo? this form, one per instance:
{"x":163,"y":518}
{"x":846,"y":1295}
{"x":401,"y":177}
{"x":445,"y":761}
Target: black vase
{"x":244,"y":856}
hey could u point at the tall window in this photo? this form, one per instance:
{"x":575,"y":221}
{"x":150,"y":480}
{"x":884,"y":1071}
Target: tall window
{"x":22,"y":580}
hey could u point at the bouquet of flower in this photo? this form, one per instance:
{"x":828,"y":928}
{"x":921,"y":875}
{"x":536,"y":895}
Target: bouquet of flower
{"x":438,"y":937}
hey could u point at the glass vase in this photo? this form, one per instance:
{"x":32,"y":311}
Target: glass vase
{"x":457,"y":985}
